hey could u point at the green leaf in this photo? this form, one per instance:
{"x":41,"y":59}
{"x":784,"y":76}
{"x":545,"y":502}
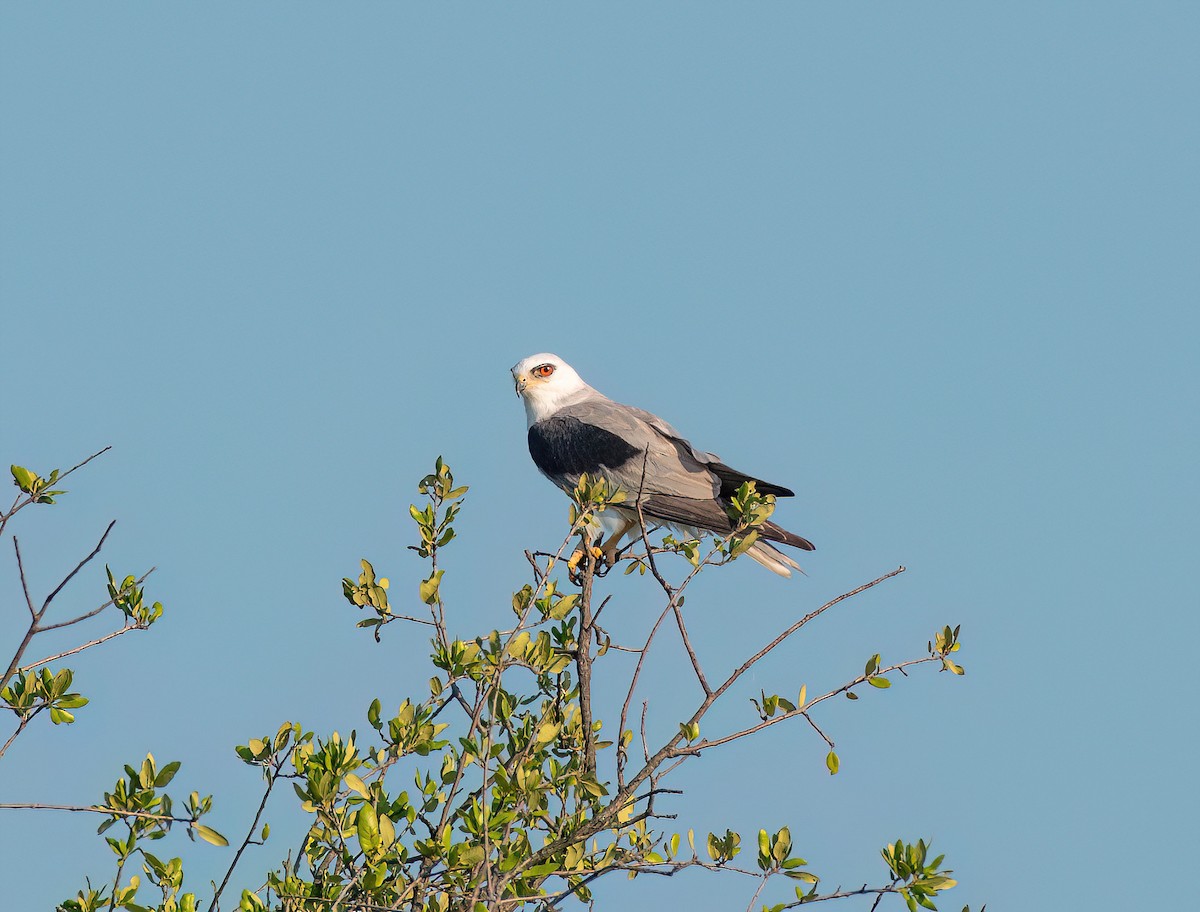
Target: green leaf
{"x":936,"y":883}
{"x":563,"y":607}
{"x":744,"y":544}
{"x":783,"y":845}
{"x":368,"y":827}
{"x":23,"y":478}
{"x":208,"y":834}
{"x":881,"y":683}
{"x":166,"y":774}
{"x":832,"y":762}
{"x":148,"y":772}
{"x":429,"y":587}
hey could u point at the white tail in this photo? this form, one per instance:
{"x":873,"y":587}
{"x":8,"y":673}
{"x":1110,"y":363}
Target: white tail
{"x":772,"y":558}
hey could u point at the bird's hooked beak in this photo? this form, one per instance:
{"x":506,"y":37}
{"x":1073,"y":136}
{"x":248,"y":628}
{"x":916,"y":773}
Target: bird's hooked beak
{"x":520,"y":381}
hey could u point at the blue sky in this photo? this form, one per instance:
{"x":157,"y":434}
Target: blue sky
{"x":933,"y":266}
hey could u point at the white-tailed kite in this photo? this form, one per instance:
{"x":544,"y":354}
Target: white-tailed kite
{"x":574,"y":429}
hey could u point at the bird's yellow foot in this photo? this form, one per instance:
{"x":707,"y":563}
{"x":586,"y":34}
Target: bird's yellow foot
{"x":577,"y":556}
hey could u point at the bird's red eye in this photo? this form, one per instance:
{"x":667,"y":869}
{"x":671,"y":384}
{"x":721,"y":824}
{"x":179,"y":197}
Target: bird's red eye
{"x":543,"y":370}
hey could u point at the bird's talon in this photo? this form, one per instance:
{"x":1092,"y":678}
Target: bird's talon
{"x":573,"y":561}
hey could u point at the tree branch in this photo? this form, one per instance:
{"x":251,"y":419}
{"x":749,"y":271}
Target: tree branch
{"x":19,"y":504}
{"x":70,"y":576}
{"x":583,"y":662}
{"x":93,"y":809}
{"x":20,"y":728}
{"x":687,"y":645}
{"x":754,"y":659}
{"x":801,"y":710}
{"x":78,"y":649}
{"x":262,"y":805}
{"x":24,"y":582}
{"x":603,"y":820}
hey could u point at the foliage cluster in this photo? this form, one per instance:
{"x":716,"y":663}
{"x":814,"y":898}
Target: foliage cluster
{"x":496,"y":789}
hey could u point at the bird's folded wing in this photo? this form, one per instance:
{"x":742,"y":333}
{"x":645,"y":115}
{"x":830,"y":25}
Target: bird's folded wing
{"x":671,"y":465}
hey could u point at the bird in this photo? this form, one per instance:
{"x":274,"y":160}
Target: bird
{"x":575,"y":429}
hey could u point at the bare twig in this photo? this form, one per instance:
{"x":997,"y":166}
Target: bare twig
{"x":645,"y":744}
{"x":753,"y":899}
{"x":262,"y":805}
{"x":879,"y":897}
{"x":817,"y":729}
{"x":20,"y":728}
{"x":94,"y":809}
{"x":754,"y":659}
{"x":687,"y":645}
{"x":24,"y":500}
{"x":864,"y":890}
{"x":24,"y":581}
{"x":583,"y":662}
{"x":78,"y":649}
{"x":85,"y":462}
{"x":70,"y":576}
{"x":95,"y":611}
{"x":637,"y":672}
{"x":699,"y":746}
{"x":36,"y":615}
{"x":5,"y":517}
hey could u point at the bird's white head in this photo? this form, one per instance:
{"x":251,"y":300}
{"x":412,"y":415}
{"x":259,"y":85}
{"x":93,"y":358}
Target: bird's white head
{"x":546,"y":383}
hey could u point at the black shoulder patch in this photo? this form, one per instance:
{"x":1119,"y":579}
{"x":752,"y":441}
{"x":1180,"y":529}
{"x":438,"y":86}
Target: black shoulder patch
{"x":567,"y":446}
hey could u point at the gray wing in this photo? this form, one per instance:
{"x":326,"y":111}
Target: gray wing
{"x":673,"y":467}
{"x":677,"y":483}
